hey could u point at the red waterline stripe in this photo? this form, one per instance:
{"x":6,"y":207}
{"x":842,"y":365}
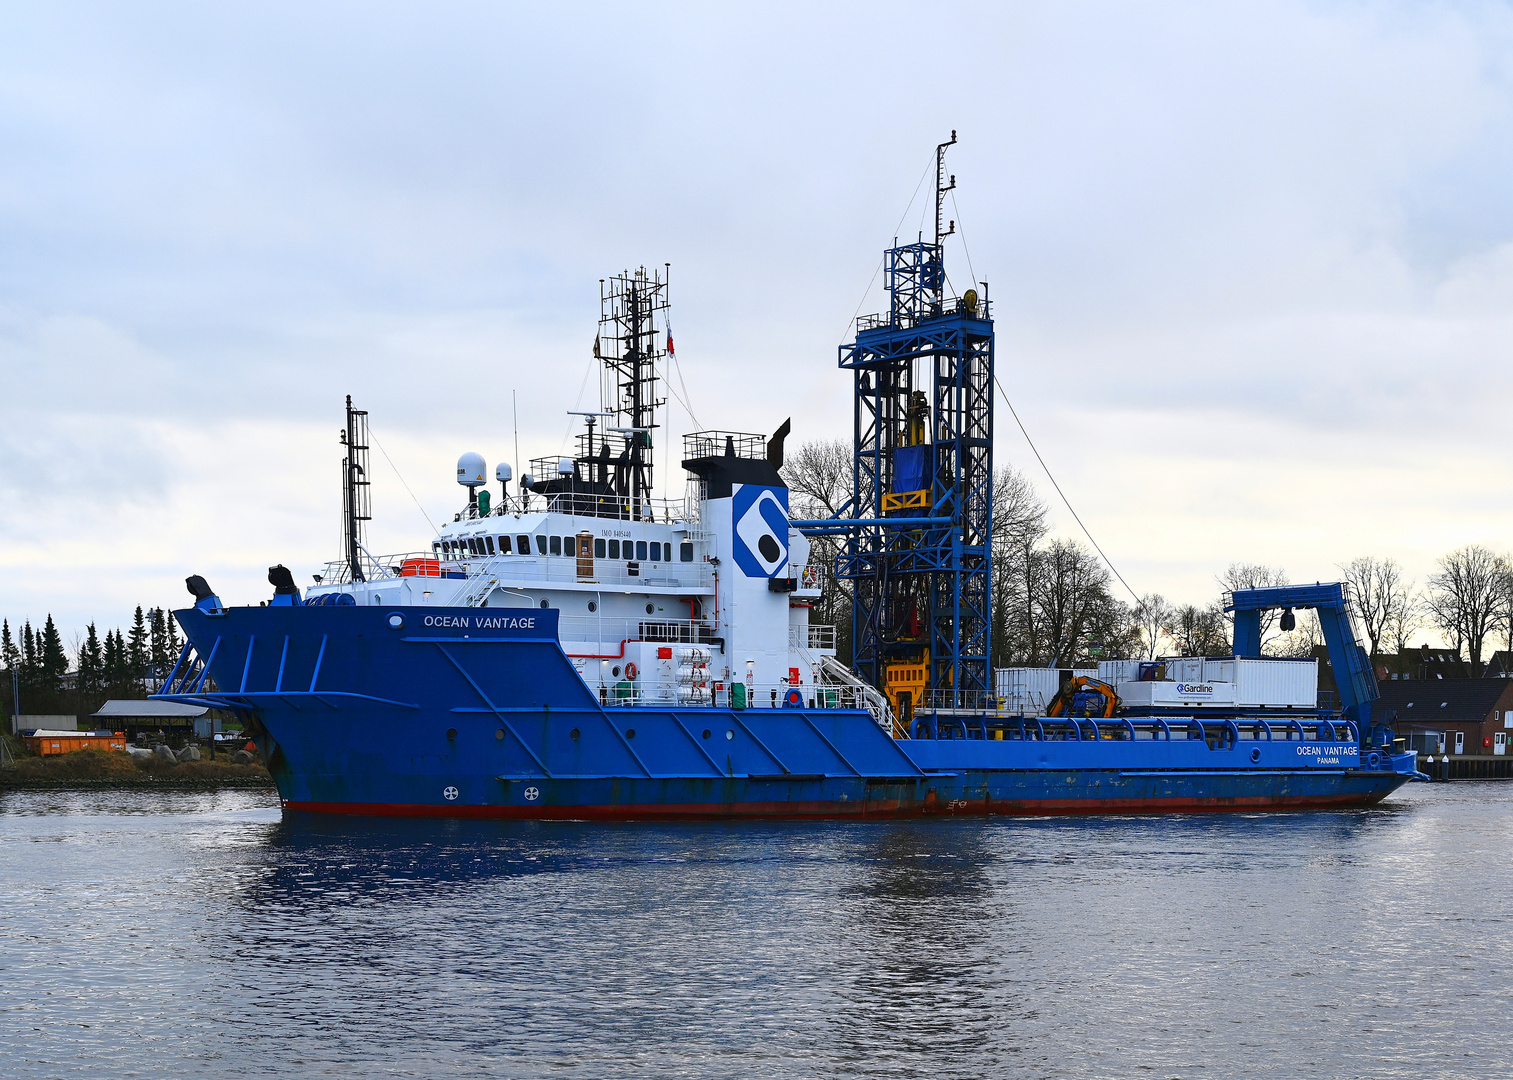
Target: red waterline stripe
{"x":832,"y":810}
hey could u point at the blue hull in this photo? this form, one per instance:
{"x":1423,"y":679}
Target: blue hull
{"x":479,"y":713}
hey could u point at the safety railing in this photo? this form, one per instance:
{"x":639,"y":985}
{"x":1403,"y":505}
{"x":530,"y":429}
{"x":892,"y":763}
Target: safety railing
{"x":581,"y":504}
{"x":730,"y":695}
{"x":522,"y":571}
{"x":1218,"y":734}
{"x":612,"y":631}
{"x":815,"y":636}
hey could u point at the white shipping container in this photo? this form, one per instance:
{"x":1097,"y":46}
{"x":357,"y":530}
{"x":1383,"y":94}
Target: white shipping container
{"x":1180,"y":694}
{"x":1029,"y":690}
{"x":1115,"y":672}
{"x":1277,"y":683}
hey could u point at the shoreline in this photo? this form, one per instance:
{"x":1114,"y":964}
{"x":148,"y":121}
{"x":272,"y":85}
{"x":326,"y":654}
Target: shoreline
{"x":97,"y":769}
{"x":102,"y":783}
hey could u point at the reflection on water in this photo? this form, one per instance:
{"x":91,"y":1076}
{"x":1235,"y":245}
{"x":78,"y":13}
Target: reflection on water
{"x":178,"y":934}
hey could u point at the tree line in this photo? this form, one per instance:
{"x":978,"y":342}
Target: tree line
{"x":1054,"y":600}
{"x":126,"y":664}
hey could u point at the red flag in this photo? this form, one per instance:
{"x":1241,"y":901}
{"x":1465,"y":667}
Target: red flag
{"x":670,"y":350}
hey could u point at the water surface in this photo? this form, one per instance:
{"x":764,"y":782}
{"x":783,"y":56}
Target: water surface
{"x":206,"y":935}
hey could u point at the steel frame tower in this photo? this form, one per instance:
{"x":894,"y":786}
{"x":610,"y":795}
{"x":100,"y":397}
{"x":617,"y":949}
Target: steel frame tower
{"x":918,"y":545}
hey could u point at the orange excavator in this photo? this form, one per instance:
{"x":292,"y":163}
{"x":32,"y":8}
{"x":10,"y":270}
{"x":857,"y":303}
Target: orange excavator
{"x":1084,"y":698}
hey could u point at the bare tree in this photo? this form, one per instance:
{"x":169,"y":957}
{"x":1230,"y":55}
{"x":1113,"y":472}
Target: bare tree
{"x":1301,"y":640}
{"x":1199,"y":631}
{"x":1466,"y":598}
{"x":1404,"y":622}
{"x":818,"y":475}
{"x":1018,"y":526}
{"x":1073,"y":590}
{"x":1151,"y":617}
{"x":1380,"y":595}
{"x":1254,"y":576}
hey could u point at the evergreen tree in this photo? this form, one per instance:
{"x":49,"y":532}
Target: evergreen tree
{"x":53,"y":660}
{"x":138,"y":648}
{"x":161,"y":661}
{"x":116,"y":672}
{"x":10,"y":656}
{"x":28,"y":658}
{"x":91,"y":664}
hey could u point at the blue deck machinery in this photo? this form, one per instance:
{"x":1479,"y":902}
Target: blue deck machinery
{"x":1351,"y":666}
{"x":916,"y":547}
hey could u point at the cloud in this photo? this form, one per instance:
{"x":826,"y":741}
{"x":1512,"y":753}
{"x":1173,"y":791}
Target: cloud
{"x":1251,"y":266}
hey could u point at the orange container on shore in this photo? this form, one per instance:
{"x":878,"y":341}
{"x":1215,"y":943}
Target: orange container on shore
{"x":64,"y":742}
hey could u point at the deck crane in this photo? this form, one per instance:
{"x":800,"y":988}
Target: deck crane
{"x":1352,"y":667}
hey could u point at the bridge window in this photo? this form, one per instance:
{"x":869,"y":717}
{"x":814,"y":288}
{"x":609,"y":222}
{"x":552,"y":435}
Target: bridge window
{"x":569,"y":546}
{"x":685,"y":551}
{"x":555,"y":545}
{"x":523,"y":544}
{"x":641,"y":550}
{"x":599,"y":548}
{"x":656,"y":551}
{"x":488,"y":542}
{"x":540,"y":543}
{"x":614,"y":549}
{"x":504,"y":545}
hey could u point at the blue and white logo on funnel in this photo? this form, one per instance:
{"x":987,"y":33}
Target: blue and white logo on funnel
{"x":761,"y":529}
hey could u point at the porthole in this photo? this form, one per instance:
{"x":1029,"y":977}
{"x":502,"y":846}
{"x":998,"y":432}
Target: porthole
{"x":593,"y":605}
{"x":650,"y":609}
{"x":630,"y":733}
{"x":706,"y":733}
{"x":396,"y":621}
{"x":574,"y":734}
{"x":451,"y":733}
{"x":615,"y":671}
{"x":729,"y":733}
{"x":546,"y":603}
{"x":499,"y":734}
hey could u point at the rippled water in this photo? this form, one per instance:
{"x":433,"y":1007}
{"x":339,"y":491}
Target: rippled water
{"x":203,"y":935}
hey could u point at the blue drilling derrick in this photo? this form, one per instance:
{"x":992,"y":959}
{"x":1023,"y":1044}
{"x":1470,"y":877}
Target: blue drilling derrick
{"x":917,"y":547}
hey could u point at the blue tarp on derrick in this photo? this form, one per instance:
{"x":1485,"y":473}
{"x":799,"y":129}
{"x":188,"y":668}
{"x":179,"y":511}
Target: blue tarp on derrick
{"x":911,"y":468}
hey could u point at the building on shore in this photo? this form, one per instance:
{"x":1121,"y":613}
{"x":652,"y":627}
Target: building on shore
{"x":170,"y":717}
{"x":1461,"y":717}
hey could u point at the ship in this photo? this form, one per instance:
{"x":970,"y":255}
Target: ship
{"x":586,"y":648}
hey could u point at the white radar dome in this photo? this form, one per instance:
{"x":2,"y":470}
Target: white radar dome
{"x":471,"y":469}
{"x":565,"y":467}
{"x":503,"y":473}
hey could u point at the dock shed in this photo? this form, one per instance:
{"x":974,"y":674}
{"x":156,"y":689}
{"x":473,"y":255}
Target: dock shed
{"x":173,"y":718}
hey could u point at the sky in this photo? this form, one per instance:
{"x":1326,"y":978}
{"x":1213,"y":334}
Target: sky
{"x":1251,"y":264}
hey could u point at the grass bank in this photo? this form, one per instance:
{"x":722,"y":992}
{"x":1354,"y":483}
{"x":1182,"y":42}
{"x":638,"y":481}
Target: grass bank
{"x":114,"y":768}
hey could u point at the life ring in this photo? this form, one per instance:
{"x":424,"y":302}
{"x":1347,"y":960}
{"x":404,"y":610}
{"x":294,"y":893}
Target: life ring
{"x":794,"y":698}
{"x":630,"y":670}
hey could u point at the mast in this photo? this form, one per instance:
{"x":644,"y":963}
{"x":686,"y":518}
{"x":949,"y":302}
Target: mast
{"x":632,"y":334}
{"x":356,"y":503}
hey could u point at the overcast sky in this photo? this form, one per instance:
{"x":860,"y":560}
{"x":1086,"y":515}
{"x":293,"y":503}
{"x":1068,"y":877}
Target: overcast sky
{"x":1252,"y":265}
